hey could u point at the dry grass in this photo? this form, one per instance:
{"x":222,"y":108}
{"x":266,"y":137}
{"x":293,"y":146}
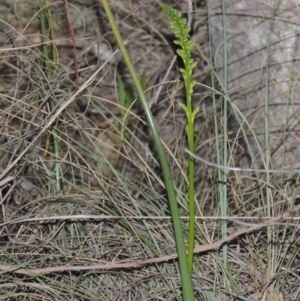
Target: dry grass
{"x":83,"y":205}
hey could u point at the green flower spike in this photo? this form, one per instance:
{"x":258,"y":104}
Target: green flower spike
{"x":181,"y":31}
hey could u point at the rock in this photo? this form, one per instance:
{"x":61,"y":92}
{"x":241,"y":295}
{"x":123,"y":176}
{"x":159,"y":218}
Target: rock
{"x":263,"y":67}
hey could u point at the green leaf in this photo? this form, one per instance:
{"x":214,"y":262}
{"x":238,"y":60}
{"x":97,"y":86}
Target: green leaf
{"x":183,"y":106}
{"x":195,"y":112}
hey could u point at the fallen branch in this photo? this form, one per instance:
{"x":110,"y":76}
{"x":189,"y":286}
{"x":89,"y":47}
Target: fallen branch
{"x":141,"y":263}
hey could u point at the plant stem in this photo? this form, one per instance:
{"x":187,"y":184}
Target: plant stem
{"x":187,"y":287}
{"x":181,"y":30}
{"x":191,"y":142}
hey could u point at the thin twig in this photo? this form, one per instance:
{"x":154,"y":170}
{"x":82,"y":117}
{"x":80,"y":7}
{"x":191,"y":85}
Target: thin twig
{"x":153,"y":100}
{"x":227,"y":168}
{"x":190,"y":13}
